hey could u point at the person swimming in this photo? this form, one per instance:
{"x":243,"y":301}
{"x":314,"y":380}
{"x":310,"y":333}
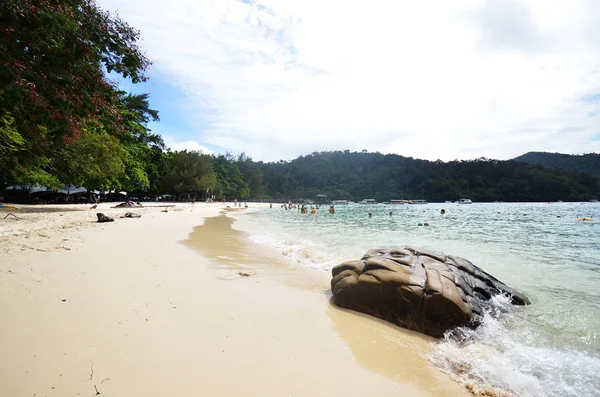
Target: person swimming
{"x":370,"y":215}
{"x":331,"y":209}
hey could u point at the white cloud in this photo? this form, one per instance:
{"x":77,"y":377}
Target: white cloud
{"x":186,"y":145}
{"x":429,"y":79}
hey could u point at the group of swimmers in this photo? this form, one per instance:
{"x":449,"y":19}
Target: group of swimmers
{"x":313,"y":210}
{"x":303,"y":208}
{"x":371,"y":214}
{"x":443,"y":211}
{"x":237,"y":204}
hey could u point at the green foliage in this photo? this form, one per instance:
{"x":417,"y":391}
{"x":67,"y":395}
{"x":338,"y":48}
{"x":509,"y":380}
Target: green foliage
{"x":230,"y":180}
{"x":30,"y":174}
{"x":354,"y":176}
{"x":52,"y":59}
{"x":586,"y":163}
{"x":141,"y":147}
{"x":189,"y":172}
{"x":139,"y":105}
{"x":156,"y":166}
{"x":252,"y":176}
{"x":52,"y":55}
{"x":10,"y":139}
{"x":15,"y":165}
{"x":92,"y":158}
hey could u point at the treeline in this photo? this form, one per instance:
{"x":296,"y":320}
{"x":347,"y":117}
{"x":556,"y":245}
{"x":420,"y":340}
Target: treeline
{"x":588,"y":163}
{"x":63,"y":122}
{"x":359,"y":175}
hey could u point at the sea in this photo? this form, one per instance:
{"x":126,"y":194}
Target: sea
{"x":550,"y":348}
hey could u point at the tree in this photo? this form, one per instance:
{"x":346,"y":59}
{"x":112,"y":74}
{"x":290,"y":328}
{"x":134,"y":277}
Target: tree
{"x":140,"y":144}
{"x":189,"y":172}
{"x":139,"y":105}
{"x":252,"y":175}
{"x":230,"y":180}
{"x":91,"y":160}
{"x":10,"y":139}
{"x":53,"y":54}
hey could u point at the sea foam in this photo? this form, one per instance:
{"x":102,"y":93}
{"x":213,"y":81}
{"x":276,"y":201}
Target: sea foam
{"x":515,"y":361}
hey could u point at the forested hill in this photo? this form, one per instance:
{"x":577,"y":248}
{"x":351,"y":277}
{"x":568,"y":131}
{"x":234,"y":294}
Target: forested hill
{"x":354,"y":176}
{"x":588,"y":163}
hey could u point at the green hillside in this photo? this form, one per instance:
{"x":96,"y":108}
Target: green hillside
{"x":588,"y":163}
{"x":354,"y":176}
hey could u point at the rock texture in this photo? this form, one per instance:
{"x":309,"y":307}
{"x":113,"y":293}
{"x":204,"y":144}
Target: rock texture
{"x":428,"y":292}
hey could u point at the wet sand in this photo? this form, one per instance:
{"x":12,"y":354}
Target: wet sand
{"x":141,"y":307}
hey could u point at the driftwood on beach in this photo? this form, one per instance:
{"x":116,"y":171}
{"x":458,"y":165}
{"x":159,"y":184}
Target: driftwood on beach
{"x":428,"y":292}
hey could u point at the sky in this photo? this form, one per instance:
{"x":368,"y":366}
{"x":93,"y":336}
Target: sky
{"x":447,"y":80}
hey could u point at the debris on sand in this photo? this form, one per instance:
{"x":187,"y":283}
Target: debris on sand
{"x":131,"y":215}
{"x":103,"y":218}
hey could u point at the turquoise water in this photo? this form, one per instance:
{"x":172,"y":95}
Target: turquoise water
{"x":551,"y":348}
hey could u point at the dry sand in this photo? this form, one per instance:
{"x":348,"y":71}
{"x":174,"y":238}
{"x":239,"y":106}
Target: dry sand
{"x":155,"y":307}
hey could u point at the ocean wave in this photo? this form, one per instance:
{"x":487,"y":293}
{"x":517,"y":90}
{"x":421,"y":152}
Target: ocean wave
{"x":498,"y":358}
{"x":299,"y":252}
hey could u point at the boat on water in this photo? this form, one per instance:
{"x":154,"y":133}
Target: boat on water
{"x":368,"y":201}
{"x":396,"y":202}
{"x":417,"y":202}
{"x":593,"y":201}
{"x":339,"y":202}
{"x":465,"y":201}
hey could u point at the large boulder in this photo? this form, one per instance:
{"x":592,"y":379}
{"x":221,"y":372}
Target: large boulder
{"x":428,"y":292}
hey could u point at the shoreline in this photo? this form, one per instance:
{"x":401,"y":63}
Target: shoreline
{"x":130,"y":308}
{"x":378,"y":346}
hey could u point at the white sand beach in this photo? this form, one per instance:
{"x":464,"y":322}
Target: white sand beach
{"x":156,"y":306}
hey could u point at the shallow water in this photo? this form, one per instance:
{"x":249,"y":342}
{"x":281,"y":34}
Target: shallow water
{"x":551,"y":348}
